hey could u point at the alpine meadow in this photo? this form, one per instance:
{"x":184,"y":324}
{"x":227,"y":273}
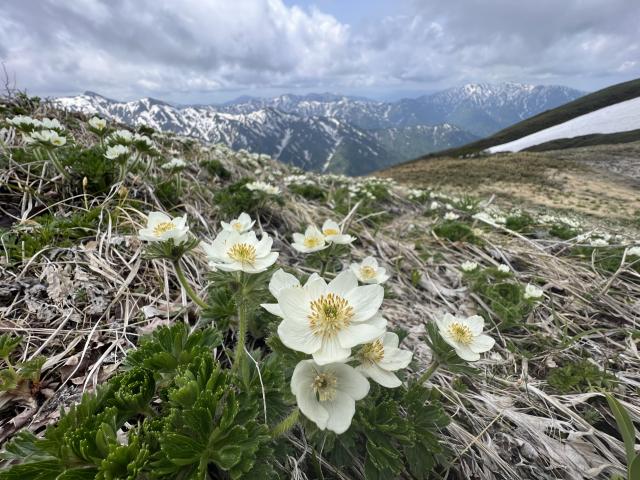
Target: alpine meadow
{"x":211,"y":271}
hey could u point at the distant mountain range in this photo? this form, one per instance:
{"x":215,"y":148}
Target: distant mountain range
{"x":340,"y":134}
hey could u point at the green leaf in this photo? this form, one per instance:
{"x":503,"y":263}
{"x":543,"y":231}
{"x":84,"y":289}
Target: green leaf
{"x":625,"y":426}
{"x":78,"y":474}
{"x":634,"y":468}
{"x":8,"y":344}
{"x":45,"y":470}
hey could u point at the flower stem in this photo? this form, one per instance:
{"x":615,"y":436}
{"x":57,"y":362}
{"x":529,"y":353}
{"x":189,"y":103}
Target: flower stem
{"x":286,"y":424}
{"x":429,"y":372}
{"x":326,"y":260}
{"x":185,"y":284}
{"x":239,"y":357}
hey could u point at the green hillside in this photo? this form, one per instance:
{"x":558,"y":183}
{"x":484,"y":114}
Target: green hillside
{"x":589,"y":103}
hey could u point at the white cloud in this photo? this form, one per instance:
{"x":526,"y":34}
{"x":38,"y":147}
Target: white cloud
{"x":174,"y":49}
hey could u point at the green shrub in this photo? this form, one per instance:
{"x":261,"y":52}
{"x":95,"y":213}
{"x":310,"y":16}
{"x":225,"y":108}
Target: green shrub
{"x":519,"y":223}
{"x":455,"y":232}
{"x":581,"y":376}
{"x":169,"y":192}
{"x":310,"y":192}
{"x":216,"y":169}
{"x":563,"y":232}
{"x":90,"y":163}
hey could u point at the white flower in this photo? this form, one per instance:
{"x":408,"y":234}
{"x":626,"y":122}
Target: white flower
{"x":451,"y":216}
{"x":333,"y":233}
{"x":468,"y":266}
{"x":161,"y":227}
{"x":233,"y":252}
{"x":124,"y":137}
{"x":634,"y":251}
{"x":326,"y":321}
{"x":381,"y":358}
{"x":465,"y":336}
{"x":434,"y":205}
{"x":327,"y":394}
{"x":174,"y":163}
{"x":263,"y":187}
{"x":599,"y":242}
{"x":49,"y":137}
{"x":503,"y":268}
{"x":51,"y":124}
{"x":532,"y":292}
{"x":97,"y":123}
{"x":312,"y":241}
{"x":241,"y":224}
{"x":369,"y":272}
{"x":116,"y":152}
{"x":281,"y":280}
{"x":142,"y":141}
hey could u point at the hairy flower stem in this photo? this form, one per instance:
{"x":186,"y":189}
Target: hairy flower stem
{"x":58,"y":166}
{"x":286,"y":424}
{"x":185,"y":284}
{"x":326,"y":260}
{"x":243,"y":320}
{"x":429,"y":372}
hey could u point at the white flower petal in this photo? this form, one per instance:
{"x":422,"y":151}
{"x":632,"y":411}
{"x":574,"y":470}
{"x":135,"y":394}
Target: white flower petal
{"x":349,"y":380}
{"x":482,"y":343}
{"x":330,"y":352}
{"x":358,"y":333}
{"x":341,"y":410}
{"x":380,"y":376}
{"x":299,"y":337}
{"x":365,"y":301}
{"x":343,"y":283}
{"x":281,"y":280}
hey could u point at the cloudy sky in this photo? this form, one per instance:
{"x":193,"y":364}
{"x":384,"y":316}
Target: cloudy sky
{"x":206,"y":51}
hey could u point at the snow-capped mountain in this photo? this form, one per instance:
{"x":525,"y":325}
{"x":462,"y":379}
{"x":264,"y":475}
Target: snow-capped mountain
{"x":335,"y":133}
{"x":619,"y":117}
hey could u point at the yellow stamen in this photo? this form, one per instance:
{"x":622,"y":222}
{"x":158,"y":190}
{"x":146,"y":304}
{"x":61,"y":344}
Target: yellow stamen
{"x":243,"y":253}
{"x":372,"y":352}
{"x":312,"y":242}
{"x":237,"y":226}
{"x":163,"y":228}
{"x":461,"y":333}
{"x":331,"y":231}
{"x":324,"y":385}
{"x":329,"y":314}
{"x":368,"y":272}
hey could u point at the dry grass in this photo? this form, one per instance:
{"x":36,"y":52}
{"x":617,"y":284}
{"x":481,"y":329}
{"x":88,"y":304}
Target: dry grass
{"x":507,"y":424}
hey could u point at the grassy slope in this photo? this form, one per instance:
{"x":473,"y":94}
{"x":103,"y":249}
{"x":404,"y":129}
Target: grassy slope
{"x":588,"y":103}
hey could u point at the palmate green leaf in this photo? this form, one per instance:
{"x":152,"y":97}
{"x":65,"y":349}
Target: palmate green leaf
{"x":9,"y":379}
{"x":8,"y":344}
{"x":124,"y":462}
{"x":32,"y":369}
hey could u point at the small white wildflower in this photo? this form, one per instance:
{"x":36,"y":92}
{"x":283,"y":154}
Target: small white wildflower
{"x":368,"y":271}
{"x":161,"y":227}
{"x":451,"y":216}
{"x":434,"y":205}
{"x":599,"y":242}
{"x":122,"y":137}
{"x":327,"y":394}
{"x":465,"y":336}
{"x":242,"y":224}
{"x":468,"y":266}
{"x":233,"y":252}
{"x":532,"y":292}
{"x":633,"y":251}
{"x":312,"y":241}
{"x":333,"y":233}
{"x":117,"y":152}
{"x":174,"y":164}
{"x":48,"y":137}
{"x":51,"y":124}
{"x":504,"y":268}
{"x":97,"y":123}
{"x":380,"y":358}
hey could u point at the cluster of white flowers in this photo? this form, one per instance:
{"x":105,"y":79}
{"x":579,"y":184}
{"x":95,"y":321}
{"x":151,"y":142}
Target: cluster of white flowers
{"x":468,"y":266}
{"x":314,"y":239}
{"x":174,"y":164}
{"x":48,"y":138}
{"x":490,"y":217}
{"x":451,"y":216}
{"x":299,"y":180}
{"x":504,"y":268}
{"x":599,"y":242}
{"x":416,"y":194}
{"x":45,"y":132}
{"x":263,"y":187}
{"x":633,"y":251}
{"x":327,"y":321}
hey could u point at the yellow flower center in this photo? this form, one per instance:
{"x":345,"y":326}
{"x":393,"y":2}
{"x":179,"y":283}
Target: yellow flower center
{"x":329,"y":314}
{"x":312,"y":242}
{"x":324,"y":386}
{"x":461,"y":333}
{"x":237,"y":226}
{"x":243,"y":253}
{"x":372,"y":352}
{"x":367,"y":272}
{"x":331,"y":231}
{"x":163,"y":228}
